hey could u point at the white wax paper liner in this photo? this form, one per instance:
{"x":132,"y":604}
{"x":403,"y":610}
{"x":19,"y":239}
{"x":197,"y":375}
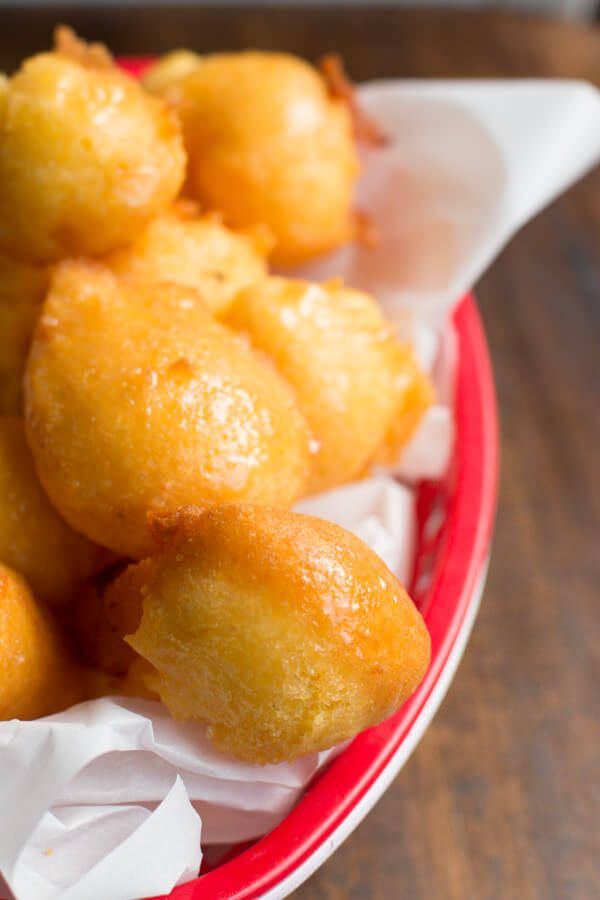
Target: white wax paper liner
{"x":107,"y":800}
{"x":468,"y":163}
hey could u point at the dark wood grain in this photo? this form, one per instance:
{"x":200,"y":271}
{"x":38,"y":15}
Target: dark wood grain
{"x":502,"y":798}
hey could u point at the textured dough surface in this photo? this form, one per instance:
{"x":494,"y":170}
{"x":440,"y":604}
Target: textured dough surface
{"x":267,"y":144}
{"x":414,"y":395}
{"x":22,"y":290}
{"x":87,"y":158}
{"x":37,"y":677}
{"x":34,"y":539}
{"x":138,"y":682}
{"x":169,"y":69}
{"x":285,"y":633}
{"x":109,"y":608}
{"x":138,"y":401}
{"x":195,"y":251}
{"x":335,"y":348}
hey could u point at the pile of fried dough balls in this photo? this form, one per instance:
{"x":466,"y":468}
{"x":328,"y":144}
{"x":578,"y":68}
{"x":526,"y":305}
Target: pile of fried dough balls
{"x":165,"y":400}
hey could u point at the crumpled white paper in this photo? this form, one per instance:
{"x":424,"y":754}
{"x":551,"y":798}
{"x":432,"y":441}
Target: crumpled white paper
{"x":107,"y":801}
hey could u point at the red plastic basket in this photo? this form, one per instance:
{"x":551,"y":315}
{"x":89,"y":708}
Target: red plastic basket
{"x":449,"y":570}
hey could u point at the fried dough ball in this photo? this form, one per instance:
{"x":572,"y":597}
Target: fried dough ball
{"x":414,"y":395}
{"x":335,"y":348}
{"x":137,"y":400}
{"x":22,"y":289}
{"x":200,"y":252}
{"x":268,"y":144}
{"x":37,"y":677}
{"x":87,"y":157}
{"x":285,"y":633}
{"x":34,"y":539}
{"x":169,"y":69}
{"x":138,"y":682}
{"x":109,"y":608}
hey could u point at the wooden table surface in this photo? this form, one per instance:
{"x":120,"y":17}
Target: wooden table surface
{"x":502,"y":797}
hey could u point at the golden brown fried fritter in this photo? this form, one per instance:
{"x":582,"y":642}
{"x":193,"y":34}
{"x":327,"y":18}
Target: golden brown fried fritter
{"x":34,"y":539}
{"x":414,"y":395}
{"x":268,"y":144}
{"x":138,"y":682}
{"x":335,"y":348}
{"x":87,"y":157}
{"x":22,"y":289}
{"x":170,"y":69}
{"x":137,"y":400}
{"x":285,"y":633}
{"x":182,"y":248}
{"x":109,"y":607}
{"x":37,"y":676}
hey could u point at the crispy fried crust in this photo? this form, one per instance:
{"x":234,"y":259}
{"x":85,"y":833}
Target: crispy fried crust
{"x":37,"y":676}
{"x":107,"y":155}
{"x":34,"y":539}
{"x":22,"y":290}
{"x":337,"y":351}
{"x":91,"y":56}
{"x":199,"y":251}
{"x":269,"y":145}
{"x":137,"y":400}
{"x":285,"y":633}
